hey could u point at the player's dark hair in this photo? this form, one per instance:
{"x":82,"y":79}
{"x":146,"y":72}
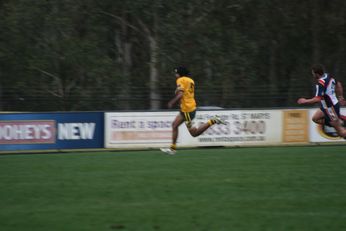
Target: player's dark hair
{"x":318,"y":69}
{"x":182,"y":71}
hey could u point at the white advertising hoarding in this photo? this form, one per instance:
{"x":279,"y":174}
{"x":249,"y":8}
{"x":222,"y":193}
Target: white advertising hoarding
{"x":323,"y":133}
{"x":153,"y":129}
{"x":138,"y":129}
{"x":250,"y":127}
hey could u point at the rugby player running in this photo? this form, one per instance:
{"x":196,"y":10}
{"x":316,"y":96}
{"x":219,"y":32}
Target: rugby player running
{"x":328,"y":93}
{"x":185,"y":94}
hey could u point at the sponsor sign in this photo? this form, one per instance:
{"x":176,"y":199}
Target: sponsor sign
{"x":141,"y":129}
{"x":51,"y":131}
{"x":295,"y":126}
{"x":153,"y":129}
{"x":26,"y":132}
{"x":324,"y":133}
{"x":250,"y":127}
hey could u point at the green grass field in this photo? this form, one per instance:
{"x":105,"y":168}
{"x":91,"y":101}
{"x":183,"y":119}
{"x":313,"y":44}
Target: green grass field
{"x":276,"y":188}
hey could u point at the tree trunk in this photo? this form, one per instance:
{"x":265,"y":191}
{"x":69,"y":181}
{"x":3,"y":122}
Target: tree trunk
{"x":154,"y":74}
{"x":124,"y":58}
{"x":154,"y":60}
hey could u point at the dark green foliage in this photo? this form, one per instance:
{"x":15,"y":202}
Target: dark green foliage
{"x":109,"y":55}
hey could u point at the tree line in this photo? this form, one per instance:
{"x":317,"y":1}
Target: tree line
{"x":70,"y":55}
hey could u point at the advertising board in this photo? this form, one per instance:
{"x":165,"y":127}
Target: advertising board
{"x":138,"y":129}
{"x":296,"y":126}
{"x":244,"y":127}
{"x":153,"y":129}
{"x":35,"y":131}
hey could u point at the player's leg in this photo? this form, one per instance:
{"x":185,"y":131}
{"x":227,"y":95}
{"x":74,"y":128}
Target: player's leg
{"x":339,"y":128}
{"x":332,"y":115}
{"x":198,"y":131}
{"x":188,"y":117}
{"x":202,"y":128}
{"x":318,"y":117}
{"x":179,"y":119}
{"x":321,"y":117}
{"x":343,"y":120}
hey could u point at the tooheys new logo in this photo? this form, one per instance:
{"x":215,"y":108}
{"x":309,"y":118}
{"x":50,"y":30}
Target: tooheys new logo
{"x":76,"y":131}
{"x":25,"y":132}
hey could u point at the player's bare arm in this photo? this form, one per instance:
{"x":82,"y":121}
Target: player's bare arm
{"x":177,"y":97}
{"x":309,"y":101}
{"x":340,"y":93}
{"x":339,"y":89}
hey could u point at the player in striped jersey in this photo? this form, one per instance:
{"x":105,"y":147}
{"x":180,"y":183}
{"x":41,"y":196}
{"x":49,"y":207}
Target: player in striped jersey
{"x":185,"y":93}
{"x":329,"y":112}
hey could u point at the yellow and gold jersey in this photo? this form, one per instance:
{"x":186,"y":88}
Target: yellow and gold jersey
{"x":187,"y":86}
